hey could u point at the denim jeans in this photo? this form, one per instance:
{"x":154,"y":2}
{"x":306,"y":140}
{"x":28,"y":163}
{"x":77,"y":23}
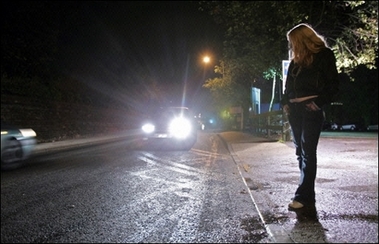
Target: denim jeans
{"x":306,"y":128}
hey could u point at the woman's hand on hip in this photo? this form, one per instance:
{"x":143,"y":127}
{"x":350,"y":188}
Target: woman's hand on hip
{"x":286,"y":109}
{"x":312,"y":106}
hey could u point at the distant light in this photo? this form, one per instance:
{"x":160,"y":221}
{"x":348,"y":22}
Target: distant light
{"x":148,"y":128}
{"x":28,"y":133}
{"x":206,"y":59}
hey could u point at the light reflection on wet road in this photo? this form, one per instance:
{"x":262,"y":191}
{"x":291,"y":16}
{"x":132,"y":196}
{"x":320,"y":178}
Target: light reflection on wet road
{"x":116,"y":194}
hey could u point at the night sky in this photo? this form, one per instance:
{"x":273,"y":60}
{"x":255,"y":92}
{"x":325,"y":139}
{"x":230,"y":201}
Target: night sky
{"x":127,"y":50}
{"x":117,"y":45}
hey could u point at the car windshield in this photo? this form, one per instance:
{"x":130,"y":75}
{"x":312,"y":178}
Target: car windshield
{"x":173,"y":112}
{"x":165,"y":113}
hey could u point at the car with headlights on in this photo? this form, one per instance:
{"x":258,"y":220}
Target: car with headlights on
{"x":170,"y":127}
{"x":17,"y":144}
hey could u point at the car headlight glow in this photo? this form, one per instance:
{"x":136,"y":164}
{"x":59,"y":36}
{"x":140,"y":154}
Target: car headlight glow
{"x":148,"y":128}
{"x":180,"y":127}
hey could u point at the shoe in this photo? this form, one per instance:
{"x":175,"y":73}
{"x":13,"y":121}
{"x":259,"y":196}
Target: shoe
{"x":295,"y":205}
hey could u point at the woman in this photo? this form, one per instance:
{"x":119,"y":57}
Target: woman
{"x":312,"y":82}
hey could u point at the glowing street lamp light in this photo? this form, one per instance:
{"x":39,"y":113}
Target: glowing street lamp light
{"x":206,"y":62}
{"x":206,"y":59}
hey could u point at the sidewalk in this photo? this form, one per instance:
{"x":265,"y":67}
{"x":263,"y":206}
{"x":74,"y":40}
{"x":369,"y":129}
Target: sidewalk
{"x":346,"y":187}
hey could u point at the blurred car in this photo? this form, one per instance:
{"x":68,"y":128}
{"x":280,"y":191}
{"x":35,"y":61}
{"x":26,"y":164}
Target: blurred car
{"x":17,"y":144}
{"x":372,"y":127}
{"x":175,"y":126}
{"x":351,"y":127}
{"x":329,"y":126}
{"x":334,"y":126}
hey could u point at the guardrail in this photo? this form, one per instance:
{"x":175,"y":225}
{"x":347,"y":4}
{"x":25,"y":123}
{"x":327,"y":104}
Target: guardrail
{"x":271,"y":124}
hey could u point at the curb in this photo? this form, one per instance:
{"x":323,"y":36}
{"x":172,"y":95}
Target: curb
{"x":277,"y":233}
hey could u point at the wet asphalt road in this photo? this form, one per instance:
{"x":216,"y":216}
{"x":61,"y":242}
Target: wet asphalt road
{"x":85,"y":207}
{"x":115,"y":193}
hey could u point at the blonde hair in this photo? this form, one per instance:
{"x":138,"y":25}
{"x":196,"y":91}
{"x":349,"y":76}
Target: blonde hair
{"x":304,"y":42}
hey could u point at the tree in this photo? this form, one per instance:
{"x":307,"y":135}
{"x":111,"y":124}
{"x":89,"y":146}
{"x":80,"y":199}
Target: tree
{"x":255,"y":41}
{"x":357,"y":44}
{"x":222,"y":87}
{"x":360,"y":97}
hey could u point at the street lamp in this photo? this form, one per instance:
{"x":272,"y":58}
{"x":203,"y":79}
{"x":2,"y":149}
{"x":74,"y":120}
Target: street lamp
{"x":206,"y":59}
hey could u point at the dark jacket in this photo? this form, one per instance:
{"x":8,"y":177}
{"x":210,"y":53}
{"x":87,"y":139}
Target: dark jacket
{"x":320,"y":78}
